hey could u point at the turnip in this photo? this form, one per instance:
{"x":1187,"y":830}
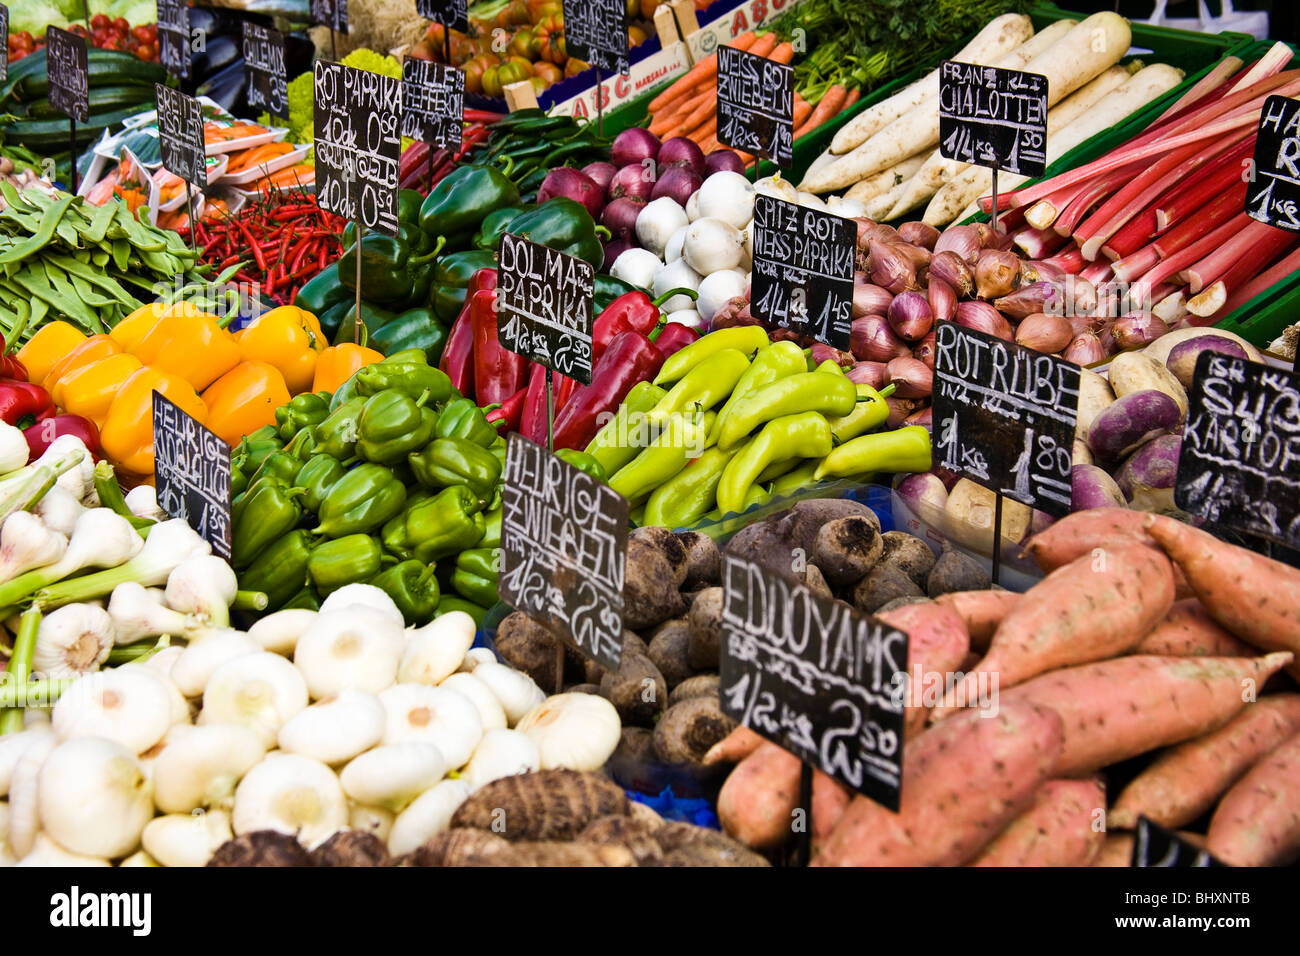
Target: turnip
{"x":261,"y":691}
{"x":657,"y":222}
{"x":712,"y":245}
{"x":434,"y":715}
{"x":184,"y":839}
{"x":637,"y":267}
{"x":1147,"y":476}
{"x":1092,"y":487}
{"x":729,"y":197}
{"x":1130,"y":421}
{"x":127,"y":705}
{"x":716,"y":288}
{"x":675,"y":275}
{"x":393,"y":775}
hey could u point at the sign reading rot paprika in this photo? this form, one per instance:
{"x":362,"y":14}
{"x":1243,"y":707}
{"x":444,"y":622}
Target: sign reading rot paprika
{"x":192,"y":474}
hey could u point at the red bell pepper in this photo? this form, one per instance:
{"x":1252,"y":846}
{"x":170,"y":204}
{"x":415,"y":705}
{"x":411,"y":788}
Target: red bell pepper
{"x":532,"y":424}
{"x":498,"y":372}
{"x":674,"y":337}
{"x":11,"y":367}
{"x":20,"y":401}
{"x":458,"y":354}
{"x":630,"y":358}
{"x":41,"y":435}
{"x":508,"y":412}
{"x":632,"y":311}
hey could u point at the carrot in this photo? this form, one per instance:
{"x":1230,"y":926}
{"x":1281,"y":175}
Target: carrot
{"x":1258,"y":821}
{"x":1116,"y":851}
{"x":734,"y":747}
{"x":852,"y":97}
{"x":671,"y":98}
{"x":764,"y":45}
{"x":1120,"y":708}
{"x":783,"y":53}
{"x":829,"y":105}
{"x":1084,"y":531}
{"x":1091,"y":609}
{"x":707,"y":107}
{"x":709,"y":144}
{"x":963,"y":781}
{"x":1060,"y":828}
{"x":757,"y":802}
{"x":937,"y":643}
{"x":696,"y":75}
{"x":981,"y":611}
{"x":1255,"y":598}
{"x":802,"y":110}
{"x":704,"y":133}
{"x":1184,"y":782}
{"x":1189,"y":631}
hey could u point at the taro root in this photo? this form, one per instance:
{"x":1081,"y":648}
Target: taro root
{"x":262,"y":848}
{"x":689,"y":728}
{"x":637,"y":690}
{"x":650,"y":593}
{"x":352,"y":848}
{"x":543,"y":805}
{"x":884,"y":583}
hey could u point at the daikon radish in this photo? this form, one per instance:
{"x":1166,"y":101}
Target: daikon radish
{"x":1063,"y":827}
{"x":873,"y":186}
{"x":879,"y":207}
{"x":999,"y":35}
{"x":1258,"y":820}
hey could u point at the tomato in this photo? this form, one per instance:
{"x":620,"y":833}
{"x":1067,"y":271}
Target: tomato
{"x":473,"y":71}
{"x":120,"y":24}
{"x":521,"y":42}
{"x":141,"y":34}
{"x":146,"y":51}
{"x":99,"y":21}
{"x":513,"y":71}
{"x":553,"y":23}
{"x":575,"y":66}
{"x":491,"y":82}
{"x":548,"y":72}
{"x":78,"y":29}
{"x":111,"y":45}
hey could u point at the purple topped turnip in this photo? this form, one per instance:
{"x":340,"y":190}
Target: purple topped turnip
{"x":1130,"y":421}
{"x":1147,"y":476}
{"x":1092,"y":487}
{"x":1183,"y":356}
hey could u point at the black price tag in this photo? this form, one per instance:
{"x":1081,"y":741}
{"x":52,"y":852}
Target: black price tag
{"x":1239,"y":463}
{"x":756,"y":105}
{"x":1004,"y":416}
{"x":1153,"y":845}
{"x":68,"y":66}
{"x":330,"y":13}
{"x":433,"y":103}
{"x":174,"y":37}
{"x":180,"y":135}
{"x":563,"y":549}
{"x":268,"y":80}
{"x":4,"y":42}
{"x":452,"y":14}
{"x":1273,"y":194}
{"x":803,"y":270}
{"x":595,"y":31}
{"x":358,"y":144}
{"x":814,"y":676}
{"x":993,"y":117}
{"x":192,"y":474}
{"x":544,"y":302}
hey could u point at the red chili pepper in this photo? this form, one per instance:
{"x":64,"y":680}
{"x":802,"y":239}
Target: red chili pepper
{"x":42,"y":435}
{"x":630,"y":358}
{"x":632,"y":310}
{"x":498,"y":372}
{"x":21,"y":400}
{"x":674,"y":338}
{"x":509,"y":412}
{"x":253,"y":246}
{"x":564,"y":389}
{"x":532,"y":423}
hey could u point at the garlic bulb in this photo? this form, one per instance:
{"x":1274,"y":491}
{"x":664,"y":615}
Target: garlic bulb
{"x":434,"y":651}
{"x":261,"y":691}
{"x":195,"y":667}
{"x":186,"y":839}
{"x":143,"y":502}
{"x":335,"y":729}
{"x":13,"y":448}
{"x":291,"y":794}
{"x":93,"y":798}
{"x":79,"y":480}
{"x":7,"y":857}
{"x":428,"y":816}
{"x":24,"y":812}
{"x":349,"y":647}
{"x":27,"y":543}
{"x":202,"y":766}
{"x":393,"y":775}
{"x":73,"y":640}
{"x":577,"y":731}
{"x":490,"y":711}
{"x":516,"y":691}
{"x":130,"y":706}
{"x":444,"y":718}
{"x":59,"y":510}
{"x":203,"y":586}
{"x":136,"y":615}
{"x":501,"y":753}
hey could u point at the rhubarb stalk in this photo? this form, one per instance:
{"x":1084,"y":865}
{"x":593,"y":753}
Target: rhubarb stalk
{"x":1236,"y":259}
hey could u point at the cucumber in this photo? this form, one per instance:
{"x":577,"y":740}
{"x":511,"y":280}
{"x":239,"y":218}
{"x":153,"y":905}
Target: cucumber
{"x":103,"y":68}
{"x":103,"y":99}
{"x":53,"y":133}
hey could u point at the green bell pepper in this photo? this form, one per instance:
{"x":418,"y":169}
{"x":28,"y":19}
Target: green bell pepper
{"x":280,"y":570}
{"x":373,"y":317}
{"x":408,"y":378}
{"x":305,"y":600}
{"x":347,"y":560}
{"x":316,"y":477}
{"x":443,"y":525}
{"x":251,"y":452}
{"x":450,"y":282}
{"x":392,"y":425}
{"x":333,"y":316}
{"x":451,"y":603}
{"x":303,"y":445}
{"x":361,"y":500}
{"x":492,"y":528}
{"x":413,"y":588}
{"x":336,"y":436}
{"x":475,"y":577}
{"x":494,"y":224}
{"x":323,"y":291}
{"x":564,"y":224}
{"x":456,"y":461}
{"x":268,"y":511}
{"x":457,"y":206}
{"x":416,"y":328}
{"x":302,"y":410}
{"x":282,"y":464}
{"x":461,"y":418}
{"x":393,"y":268}
{"x":607,"y":289}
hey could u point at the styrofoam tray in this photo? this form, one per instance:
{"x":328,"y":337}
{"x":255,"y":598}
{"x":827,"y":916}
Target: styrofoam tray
{"x":290,"y":158}
{"x":216,"y":166}
{"x":272,"y":135}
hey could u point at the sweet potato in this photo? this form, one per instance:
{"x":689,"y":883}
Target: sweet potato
{"x":1258,"y":820}
{"x":830,"y":799}
{"x":963,"y":781}
{"x":1079,"y":534}
{"x":758,"y":799}
{"x":1088,"y":610}
{"x":1060,"y":828}
{"x":1184,"y":782}
{"x":1189,"y":631}
{"x":1116,"y":851}
{"x":937,"y":644}
{"x":1120,"y":708}
{"x":982,"y":611}
{"x":1255,"y":598}
{"x":734,"y":747}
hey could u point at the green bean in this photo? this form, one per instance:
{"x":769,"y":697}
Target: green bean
{"x":42,"y":236}
{"x":99,"y":222}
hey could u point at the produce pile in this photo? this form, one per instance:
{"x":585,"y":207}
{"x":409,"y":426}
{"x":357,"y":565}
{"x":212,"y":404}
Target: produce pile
{"x":141,"y":41}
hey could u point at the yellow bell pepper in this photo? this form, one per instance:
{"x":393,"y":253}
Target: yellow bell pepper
{"x":89,"y":391}
{"x":127,"y":435}
{"x":339,"y":363}
{"x":133,"y":328}
{"x":47,"y":347}
{"x":93,"y":349}
{"x":284,"y":337}
{"x":244,"y":399}
{"x":190,"y":344}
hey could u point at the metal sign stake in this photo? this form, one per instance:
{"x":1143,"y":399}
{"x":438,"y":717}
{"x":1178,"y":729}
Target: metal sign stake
{"x":72,"y":151}
{"x":997,"y":537}
{"x":356,"y":324}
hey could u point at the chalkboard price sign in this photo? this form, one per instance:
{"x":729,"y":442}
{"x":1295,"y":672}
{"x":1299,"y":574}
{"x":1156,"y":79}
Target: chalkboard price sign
{"x":563,"y":549}
{"x":4,"y":42}
{"x":174,"y":37}
{"x":1273,"y":196}
{"x":358,"y":117}
{"x":1004,"y":416}
{"x":330,"y":13}
{"x":452,"y":14}
{"x":544,"y":301}
{"x":756,"y":105}
{"x":993,"y":117}
{"x":815,"y":676}
{"x":264,"y":63}
{"x":1239,"y":462}
{"x":595,"y":31}
{"x":803,"y":270}
{"x":180,"y":135}
{"x":67,"y":62}
{"x":1153,"y":845}
{"x":192,"y":474}
{"x":433,"y":103}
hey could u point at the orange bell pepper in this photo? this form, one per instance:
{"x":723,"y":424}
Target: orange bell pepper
{"x":190,"y":344}
{"x":49,"y":345}
{"x":89,"y":391}
{"x":339,"y":363}
{"x":244,"y":399}
{"x":127,"y":435}
{"x":92,"y":349}
{"x":284,"y":337}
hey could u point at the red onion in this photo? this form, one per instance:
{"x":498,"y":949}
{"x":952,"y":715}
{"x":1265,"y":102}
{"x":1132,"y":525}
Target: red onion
{"x":874,"y":341}
{"x":919,"y":234}
{"x":890,"y":268}
{"x":869,"y":232}
{"x":680,"y":151}
{"x":821,"y":352}
{"x":868,"y":299}
{"x":633,"y":146}
{"x":600,"y":173}
{"x":632,"y":182}
{"x":954,"y":270}
{"x":678,"y":183}
{"x":924,"y":351}
{"x":573,"y":184}
{"x":619,"y":217}
{"x":942,"y":299}
{"x":899,"y":409}
{"x":723,"y":161}
{"x":734,"y":312}
{"x":1137,"y":328}
{"x":913,"y":379}
{"x":982,"y":317}
{"x":924,"y":418}
{"x":1045,"y":333}
{"x":997,"y":273}
{"x":1085,"y":349}
{"x":910,"y":315}
{"x":868,"y":373}
{"x":963,"y":240}
{"x":1106,"y":336}
{"x":1035,"y":297}
{"x":613,"y":249}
